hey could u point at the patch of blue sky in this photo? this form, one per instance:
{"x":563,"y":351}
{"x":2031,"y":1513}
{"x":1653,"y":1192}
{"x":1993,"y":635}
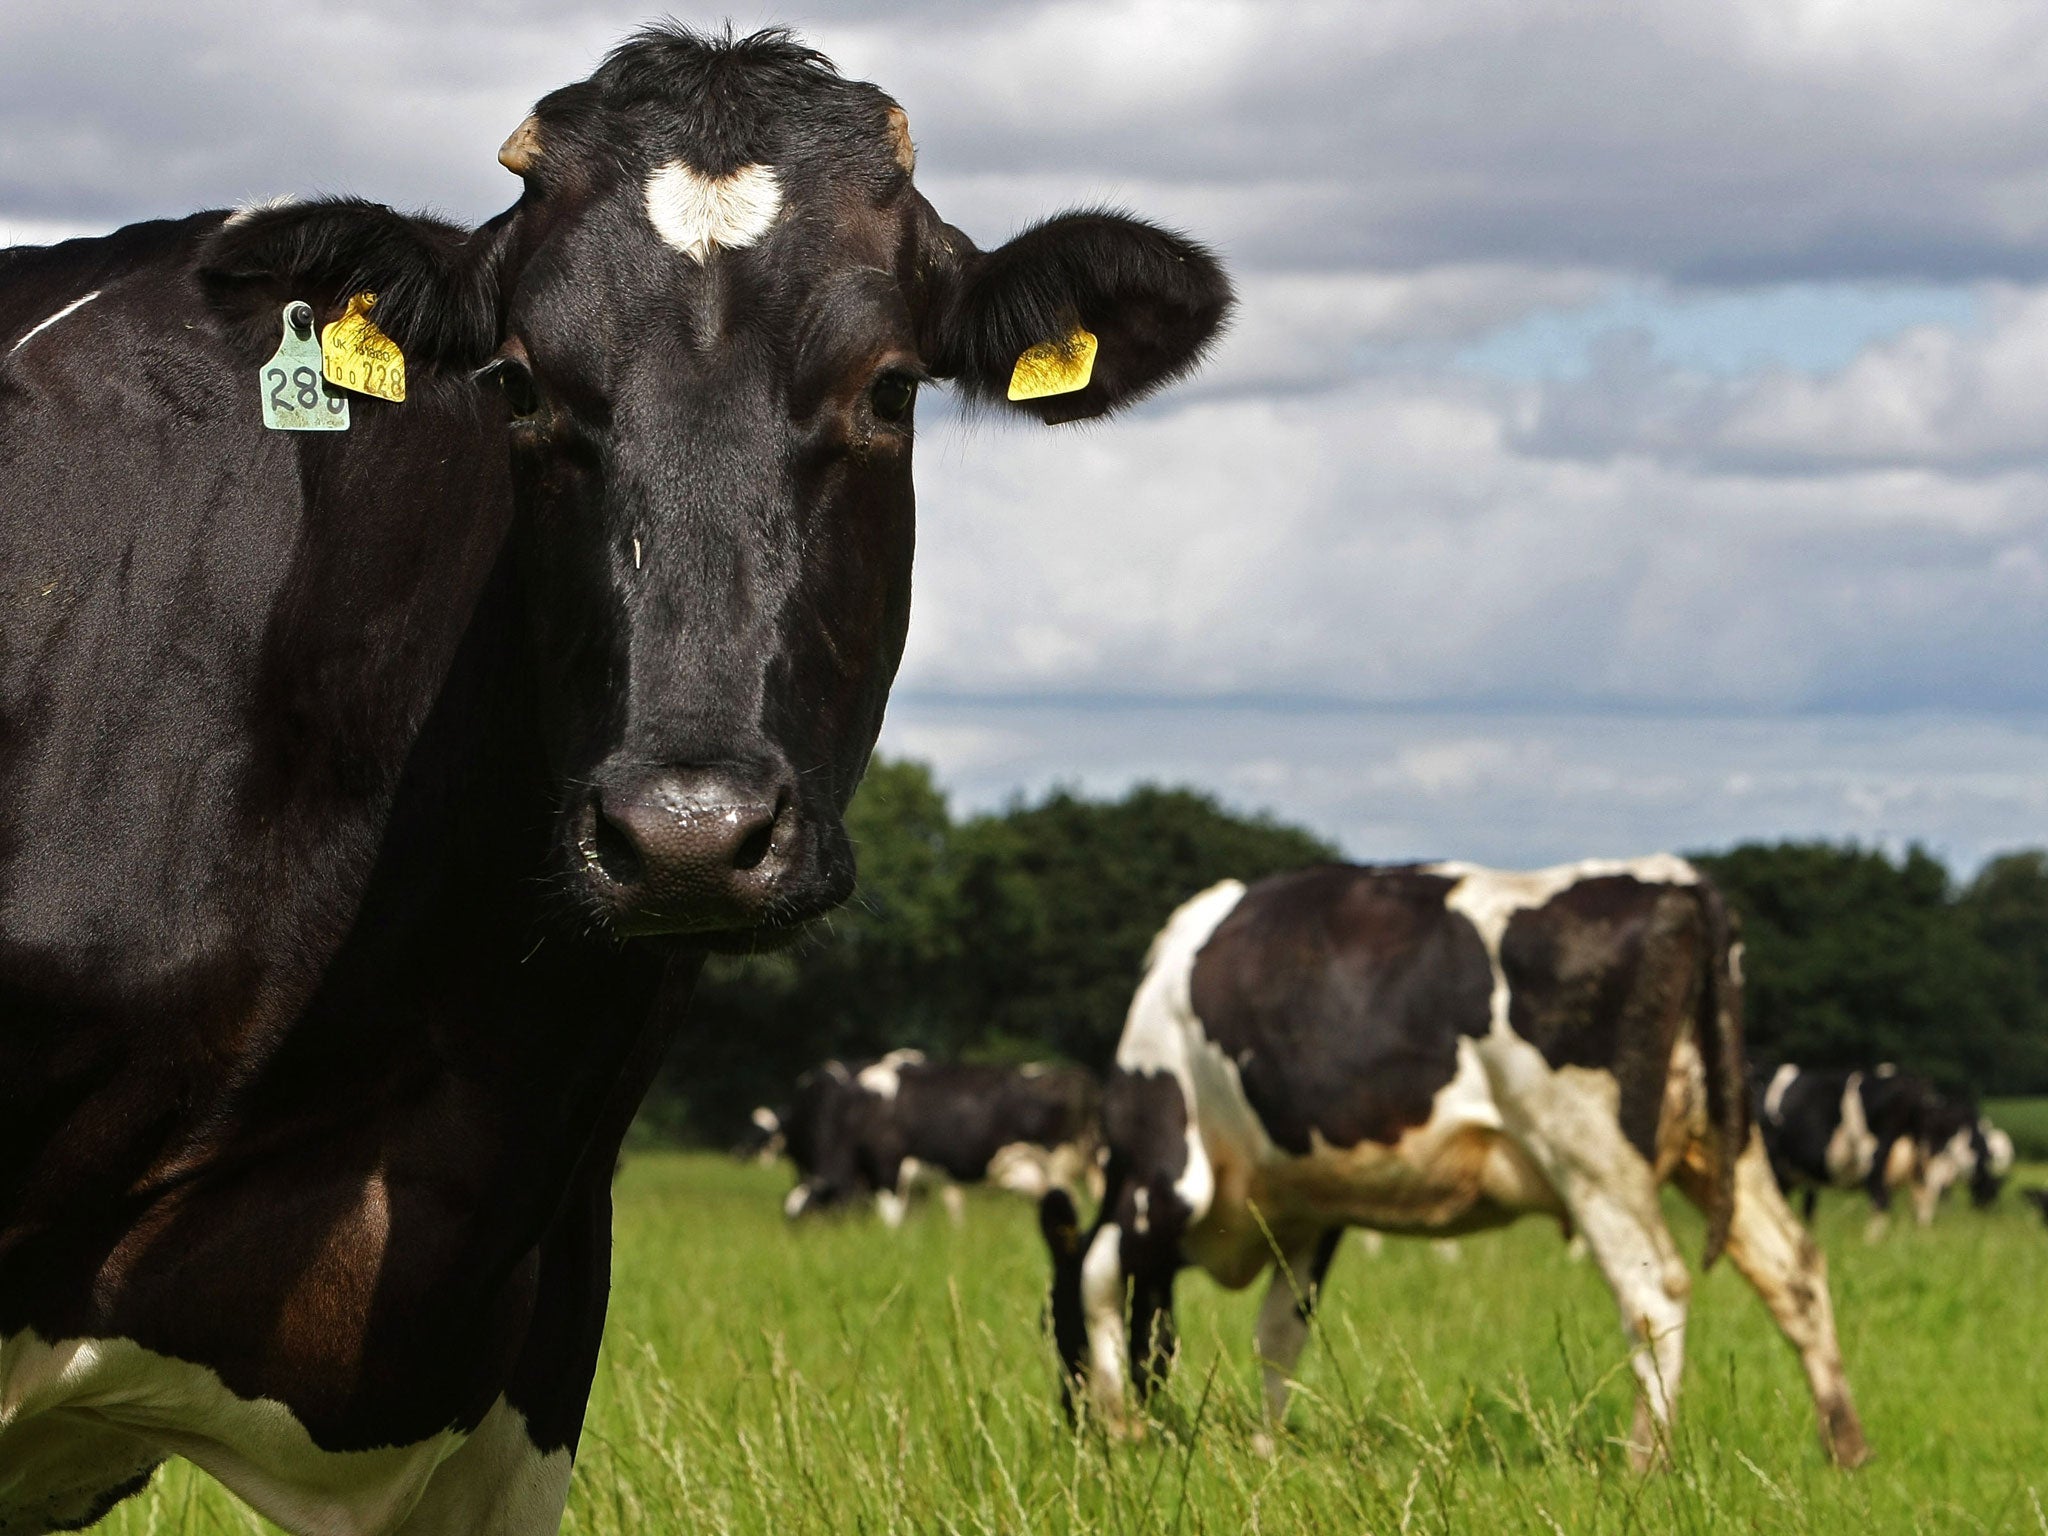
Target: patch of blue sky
{"x":1811,"y":327}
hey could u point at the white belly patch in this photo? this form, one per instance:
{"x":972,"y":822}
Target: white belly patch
{"x":80,"y":1417}
{"x":1852,"y":1149}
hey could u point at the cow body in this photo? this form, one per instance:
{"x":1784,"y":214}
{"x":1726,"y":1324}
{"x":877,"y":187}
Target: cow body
{"x":884,"y":1127}
{"x":1432,"y":1049}
{"x":1879,"y":1130}
{"x":335,"y":766}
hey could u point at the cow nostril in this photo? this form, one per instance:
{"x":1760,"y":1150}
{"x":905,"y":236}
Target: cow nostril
{"x":613,"y":850}
{"x":754,"y":847}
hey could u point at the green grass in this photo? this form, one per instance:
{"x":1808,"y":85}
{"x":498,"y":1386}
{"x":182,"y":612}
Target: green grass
{"x":839,"y":1378}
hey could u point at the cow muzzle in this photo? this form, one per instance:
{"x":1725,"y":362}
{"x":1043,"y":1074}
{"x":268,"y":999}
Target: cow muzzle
{"x":705,"y":851}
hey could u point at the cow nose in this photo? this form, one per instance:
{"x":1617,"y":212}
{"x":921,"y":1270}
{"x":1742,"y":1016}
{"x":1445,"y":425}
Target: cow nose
{"x":691,"y":847}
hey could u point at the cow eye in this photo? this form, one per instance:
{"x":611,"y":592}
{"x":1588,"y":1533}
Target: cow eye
{"x":891,"y":396}
{"x":515,"y":381}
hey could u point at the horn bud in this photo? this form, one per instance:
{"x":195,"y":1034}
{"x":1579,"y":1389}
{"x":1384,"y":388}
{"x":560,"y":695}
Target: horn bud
{"x":899,"y":137}
{"x":518,"y":153}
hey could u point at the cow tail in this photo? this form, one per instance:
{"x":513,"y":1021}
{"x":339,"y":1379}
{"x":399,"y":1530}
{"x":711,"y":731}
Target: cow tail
{"x":1720,"y":1044}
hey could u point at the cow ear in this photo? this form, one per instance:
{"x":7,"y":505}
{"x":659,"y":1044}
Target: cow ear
{"x":1151,"y":301}
{"x":436,"y":285}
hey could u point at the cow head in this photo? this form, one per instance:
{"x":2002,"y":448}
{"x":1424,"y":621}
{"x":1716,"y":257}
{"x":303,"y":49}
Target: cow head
{"x":705,"y":326}
{"x":1112,"y":1293}
{"x":821,"y":1133}
{"x":764,"y":1140}
{"x":1060,"y":1224}
{"x":722,"y":293}
{"x":1991,"y":1163}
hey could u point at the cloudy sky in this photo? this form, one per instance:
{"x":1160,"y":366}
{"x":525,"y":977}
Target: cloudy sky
{"x":1635,"y":433}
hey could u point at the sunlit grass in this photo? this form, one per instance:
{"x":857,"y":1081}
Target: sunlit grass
{"x":839,"y":1378}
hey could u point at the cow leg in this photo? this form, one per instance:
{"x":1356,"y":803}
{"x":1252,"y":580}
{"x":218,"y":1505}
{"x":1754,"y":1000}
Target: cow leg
{"x":1566,"y":1121}
{"x":511,"y":1476}
{"x":892,"y":1193}
{"x":954,"y":1198}
{"x":1779,"y":1257}
{"x":1809,"y":1198}
{"x":497,"y":1483}
{"x":1102,"y":1309}
{"x":1285,"y":1315}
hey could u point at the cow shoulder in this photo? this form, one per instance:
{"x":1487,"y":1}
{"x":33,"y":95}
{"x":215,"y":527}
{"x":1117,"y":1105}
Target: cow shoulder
{"x":1340,"y":994}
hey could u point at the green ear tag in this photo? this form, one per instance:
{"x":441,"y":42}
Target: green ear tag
{"x":295,"y":396}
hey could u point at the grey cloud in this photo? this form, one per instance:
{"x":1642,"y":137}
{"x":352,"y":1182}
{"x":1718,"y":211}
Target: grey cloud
{"x":1719,"y":143}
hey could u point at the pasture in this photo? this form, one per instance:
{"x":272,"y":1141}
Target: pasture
{"x":838,"y":1378}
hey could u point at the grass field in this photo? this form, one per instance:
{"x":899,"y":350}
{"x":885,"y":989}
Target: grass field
{"x":839,"y":1378}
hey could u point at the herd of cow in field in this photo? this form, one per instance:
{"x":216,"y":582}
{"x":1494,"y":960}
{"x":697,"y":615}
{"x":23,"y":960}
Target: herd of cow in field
{"x":384,"y":745}
{"x":1430,"y":1049}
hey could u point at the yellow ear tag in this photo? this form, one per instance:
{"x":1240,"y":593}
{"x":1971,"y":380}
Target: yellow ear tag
{"x":358,"y":356}
{"x":1054,"y":367}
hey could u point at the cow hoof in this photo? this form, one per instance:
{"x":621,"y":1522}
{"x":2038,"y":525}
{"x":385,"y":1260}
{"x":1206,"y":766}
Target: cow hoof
{"x":1263,"y":1446}
{"x":1846,"y":1446}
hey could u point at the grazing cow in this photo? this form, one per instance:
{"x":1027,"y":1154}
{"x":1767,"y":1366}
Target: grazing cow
{"x":335,"y":765}
{"x":887,"y":1126}
{"x":763,"y":1141}
{"x":1432,"y":1049}
{"x":1882,"y":1130}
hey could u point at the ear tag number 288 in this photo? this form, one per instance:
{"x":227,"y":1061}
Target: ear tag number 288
{"x":295,"y":396}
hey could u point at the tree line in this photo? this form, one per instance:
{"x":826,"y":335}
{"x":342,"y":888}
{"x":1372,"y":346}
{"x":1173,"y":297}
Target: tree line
{"x":1018,"y":934}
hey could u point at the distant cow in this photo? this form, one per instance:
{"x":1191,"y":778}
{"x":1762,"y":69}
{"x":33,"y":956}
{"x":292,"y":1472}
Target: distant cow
{"x":1880,"y":1130}
{"x":1433,"y":1049}
{"x":763,"y":1140}
{"x":884,"y":1127}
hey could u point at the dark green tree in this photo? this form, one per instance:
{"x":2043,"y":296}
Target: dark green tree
{"x":2007,"y":908}
{"x":1010,"y":936}
{"x":1062,"y":899}
{"x":1853,"y":957}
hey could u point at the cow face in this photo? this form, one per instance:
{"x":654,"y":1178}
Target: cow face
{"x":821,"y":1137}
{"x":1991,"y":1160}
{"x":1112,"y":1293}
{"x":722,"y":294}
{"x":1060,"y":1225}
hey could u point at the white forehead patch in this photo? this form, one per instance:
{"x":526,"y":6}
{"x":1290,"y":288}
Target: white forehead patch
{"x":696,"y":213}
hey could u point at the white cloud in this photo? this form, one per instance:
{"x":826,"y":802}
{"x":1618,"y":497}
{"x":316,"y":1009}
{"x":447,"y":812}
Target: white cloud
{"x":1934,"y":397}
{"x":1391,"y":540}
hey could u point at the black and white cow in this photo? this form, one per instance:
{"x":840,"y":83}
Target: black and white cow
{"x":336,"y":765}
{"x":763,"y":1141}
{"x":886,"y":1127}
{"x":1432,"y":1049}
{"x":1881,"y":1130}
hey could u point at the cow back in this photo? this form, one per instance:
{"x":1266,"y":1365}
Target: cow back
{"x":1340,"y":993}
